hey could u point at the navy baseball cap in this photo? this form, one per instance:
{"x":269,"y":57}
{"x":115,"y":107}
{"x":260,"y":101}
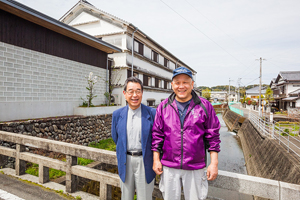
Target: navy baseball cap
{"x":182,"y":70}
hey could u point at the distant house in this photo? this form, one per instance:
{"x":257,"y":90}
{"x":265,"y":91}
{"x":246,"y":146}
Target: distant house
{"x":151,"y":62}
{"x":43,"y":64}
{"x":222,"y":96}
{"x":286,"y":90}
{"x":253,"y":93}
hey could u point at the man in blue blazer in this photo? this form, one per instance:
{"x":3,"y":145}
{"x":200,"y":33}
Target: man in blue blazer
{"x":132,"y":132}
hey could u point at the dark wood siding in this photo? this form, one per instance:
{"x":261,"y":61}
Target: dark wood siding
{"x":156,"y":83}
{"x":141,"y":49}
{"x":166,"y":84}
{"x":20,"y":32}
{"x":145,"y":80}
{"x":166,"y":62}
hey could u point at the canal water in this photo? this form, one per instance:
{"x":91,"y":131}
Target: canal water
{"x":231,"y":158}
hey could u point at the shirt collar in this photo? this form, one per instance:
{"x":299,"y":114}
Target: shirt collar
{"x":134,"y":112}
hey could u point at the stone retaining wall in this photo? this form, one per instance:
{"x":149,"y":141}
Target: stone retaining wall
{"x":76,"y":130}
{"x":266,"y":158}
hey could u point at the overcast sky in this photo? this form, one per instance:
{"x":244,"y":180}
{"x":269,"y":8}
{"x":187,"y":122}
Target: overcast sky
{"x":220,"y":39}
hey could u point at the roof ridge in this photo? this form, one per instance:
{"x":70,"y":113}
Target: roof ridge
{"x":113,"y":16}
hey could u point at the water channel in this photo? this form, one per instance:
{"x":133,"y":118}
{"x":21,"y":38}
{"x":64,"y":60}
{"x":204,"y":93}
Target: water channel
{"x":231,"y":158}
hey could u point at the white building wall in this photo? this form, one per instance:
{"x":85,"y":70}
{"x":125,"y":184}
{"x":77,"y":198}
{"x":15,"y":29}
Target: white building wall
{"x":116,"y":40}
{"x":95,"y":27}
{"x":172,"y":65}
{"x":161,"y":59}
{"x":158,"y":96}
{"x":291,"y":88}
{"x":147,"y":52}
{"x":148,"y":66}
{"x":35,"y":85}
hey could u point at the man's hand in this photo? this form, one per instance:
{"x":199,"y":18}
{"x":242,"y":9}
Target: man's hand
{"x":157,"y":166}
{"x":212,"y":170}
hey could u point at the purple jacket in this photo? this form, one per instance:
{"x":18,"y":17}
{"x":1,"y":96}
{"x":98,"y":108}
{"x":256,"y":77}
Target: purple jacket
{"x":184,"y":147}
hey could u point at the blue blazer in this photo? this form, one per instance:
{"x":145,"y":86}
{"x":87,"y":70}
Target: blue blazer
{"x":119,"y":135}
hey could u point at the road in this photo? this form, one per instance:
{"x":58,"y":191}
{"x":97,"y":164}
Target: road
{"x":20,"y":190}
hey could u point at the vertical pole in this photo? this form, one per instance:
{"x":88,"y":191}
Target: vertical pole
{"x":71,"y":180}
{"x":43,"y":174}
{"x":103,"y":190}
{"x":229,"y":92}
{"x":132,"y":51}
{"x":20,"y":164}
{"x":288,"y":142}
{"x":279,"y":132}
{"x":273,"y":130}
{"x":259,"y":104}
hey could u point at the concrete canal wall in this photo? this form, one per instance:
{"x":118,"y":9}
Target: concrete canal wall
{"x":263,"y":155}
{"x":232,"y":120}
{"x":266,"y":158}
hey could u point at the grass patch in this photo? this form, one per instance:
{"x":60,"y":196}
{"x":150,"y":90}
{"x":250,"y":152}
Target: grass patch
{"x":107,"y":144}
{"x":83,"y":161}
{"x":33,"y":169}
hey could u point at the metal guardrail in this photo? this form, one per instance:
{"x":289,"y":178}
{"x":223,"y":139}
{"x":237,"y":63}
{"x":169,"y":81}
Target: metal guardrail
{"x":245,"y":184}
{"x":270,"y":129}
{"x":236,"y":110}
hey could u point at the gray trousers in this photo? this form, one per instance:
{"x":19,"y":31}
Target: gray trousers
{"x":136,"y":180}
{"x":194,"y":183}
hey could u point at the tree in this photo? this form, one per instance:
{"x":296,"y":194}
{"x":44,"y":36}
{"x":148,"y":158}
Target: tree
{"x":91,"y":80}
{"x":269,"y":95}
{"x":206,"y":94}
{"x":113,"y":81}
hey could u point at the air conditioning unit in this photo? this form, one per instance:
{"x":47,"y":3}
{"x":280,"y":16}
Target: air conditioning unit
{"x":115,"y":98}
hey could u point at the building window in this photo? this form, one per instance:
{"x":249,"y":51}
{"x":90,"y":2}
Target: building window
{"x":151,"y":102}
{"x":293,"y":104}
{"x":154,"y":56}
{"x":166,"y":84}
{"x":145,"y":80}
{"x":156,"y":82}
{"x":135,"y":74}
{"x":138,"y":47}
{"x":166,"y":63}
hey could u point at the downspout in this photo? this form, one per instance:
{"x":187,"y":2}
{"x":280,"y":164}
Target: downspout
{"x":107,"y":82}
{"x":132,"y":50}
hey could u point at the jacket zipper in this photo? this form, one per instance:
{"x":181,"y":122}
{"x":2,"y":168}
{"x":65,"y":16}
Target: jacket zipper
{"x":181,"y":125}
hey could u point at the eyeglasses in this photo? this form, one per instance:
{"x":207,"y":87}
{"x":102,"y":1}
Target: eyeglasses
{"x":131,"y":92}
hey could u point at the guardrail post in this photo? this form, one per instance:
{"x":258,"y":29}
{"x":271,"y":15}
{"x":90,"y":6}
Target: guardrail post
{"x":43,"y":174}
{"x":71,"y":180}
{"x":273,"y":131}
{"x":3,"y":160}
{"x":103,"y":190}
{"x":20,"y":164}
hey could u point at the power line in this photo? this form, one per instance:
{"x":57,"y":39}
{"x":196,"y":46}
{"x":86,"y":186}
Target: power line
{"x":202,"y":32}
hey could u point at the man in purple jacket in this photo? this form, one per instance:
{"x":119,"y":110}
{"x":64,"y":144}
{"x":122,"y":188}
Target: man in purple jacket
{"x":184,"y":126}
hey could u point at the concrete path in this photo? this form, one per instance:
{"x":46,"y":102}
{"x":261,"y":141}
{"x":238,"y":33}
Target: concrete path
{"x":29,"y":191}
{"x":12,"y":188}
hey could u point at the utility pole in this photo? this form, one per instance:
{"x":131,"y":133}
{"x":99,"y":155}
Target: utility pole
{"x":238,"y":95}
{"x":260,"y":75}
{"x":229,"y":92}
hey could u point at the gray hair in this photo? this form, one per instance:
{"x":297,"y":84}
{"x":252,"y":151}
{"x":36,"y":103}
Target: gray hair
{"x":134,"y":80}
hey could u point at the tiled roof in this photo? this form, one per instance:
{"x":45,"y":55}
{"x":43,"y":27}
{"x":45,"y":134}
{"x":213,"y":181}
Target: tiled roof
{"x":290,"y":75}
{"x":295,"y":92}
{"x":256,"y":90}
